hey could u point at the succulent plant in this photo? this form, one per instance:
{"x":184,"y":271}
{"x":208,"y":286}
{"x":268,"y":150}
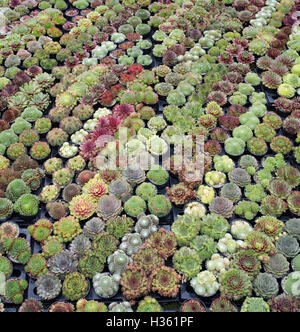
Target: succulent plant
{"x":271,"y":226}
{"x":120,"y":226}
{"x":75,"y":286}
{"x":296,"y":263}
{"x":165,"y":281}
{"x":5,"y":267}
{"x":255,"y":304}
{"x":120,"y":307}
{"x":293,"y":202}
{"x":49,"y":194}
{"x":273,"y":206}
{"x":135,"y":206}
{"x":131,"y":243}
{"x":205,"y":246}
{"x":31,"y":305}
{"x":186,"y":261}
{"x":118,"y":261}
{"x":90,"y":306}
{"x":247,"y":261}
{"x":57,"y":209}
{"x":240,"y":177}
{"x":40,"y":230}
{"x":134,"y":282}
{"x":149,"y":304}
{"x":16,"y":189}
{"x":147,"y":259}
{"x":67,"y":228}
{"x":284,"y":303}
{"x":14,"y":290}
{"x":214,"y":225}
{"x":290,"y":174}
{"x":93,"y":227}
{"x":235,"y":284}
{"x":205,"y":284}
{"x":61,"y":307}
{"x":231,"y":191}
{"x":288,"y":246}
{"x":80,"y":245}
{"x":185,"y":228}
{"x":134,"y":174}
{"x":63,"y":263}
{"x":261,"y":244}
{"x":159,"y":206}
{"x":82,"y":207}
{"x":104,"y":244}
{"x":265,"y":286}
{"x":17,"y":249}
{"x":221,"y":206}
{"x":120,"y":188}
{"x":48,"y":286}
{"x":91,"y":264}
{"x":36,"y":266}
{"x":293,"y":227}
{"x":109,"y":207}
{"x":51,"y":246}
{"x":95,"y":189}
{"x":222,"y":304}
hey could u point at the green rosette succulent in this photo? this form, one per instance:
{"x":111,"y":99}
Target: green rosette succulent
{"x":255,"y":304}
{"x":235,"y":284}
{"x":149,"y":304}
{"x":187,"y":262}
{"x":75,"y":286}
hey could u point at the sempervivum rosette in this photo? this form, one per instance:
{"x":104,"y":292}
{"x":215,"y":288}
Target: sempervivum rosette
{"x":240,"y":177}
{"x":261,"y":244}
{"x":82,"y":207}
{"x":265,"y":286}
{"x":121,"y":189}
{"x":95,"y":188}
{"x":48,"y":286}
{"x":278,"y":187}
{"x":294,"y":202}
{"x":63,"y":263}
{"x":165,"y":281}
{"x":235,"y":284}
{"x":134,"y":282}
{"x":109,"y":207}
{"x":134,"y":174}
{"x":222,"y":206}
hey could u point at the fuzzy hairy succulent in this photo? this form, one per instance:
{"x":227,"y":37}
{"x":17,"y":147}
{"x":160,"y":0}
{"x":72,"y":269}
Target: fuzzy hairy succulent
{"x":106,"y":285}
{"x":48,"y":286}
{"x":235,"y":284}
{"x":266,"y":286}
{"x":146,"y":225}
{"x":118,"y":261}
{"x":131,"y":243}
{"x":135,"y":283}
{"x":165,"y":281}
